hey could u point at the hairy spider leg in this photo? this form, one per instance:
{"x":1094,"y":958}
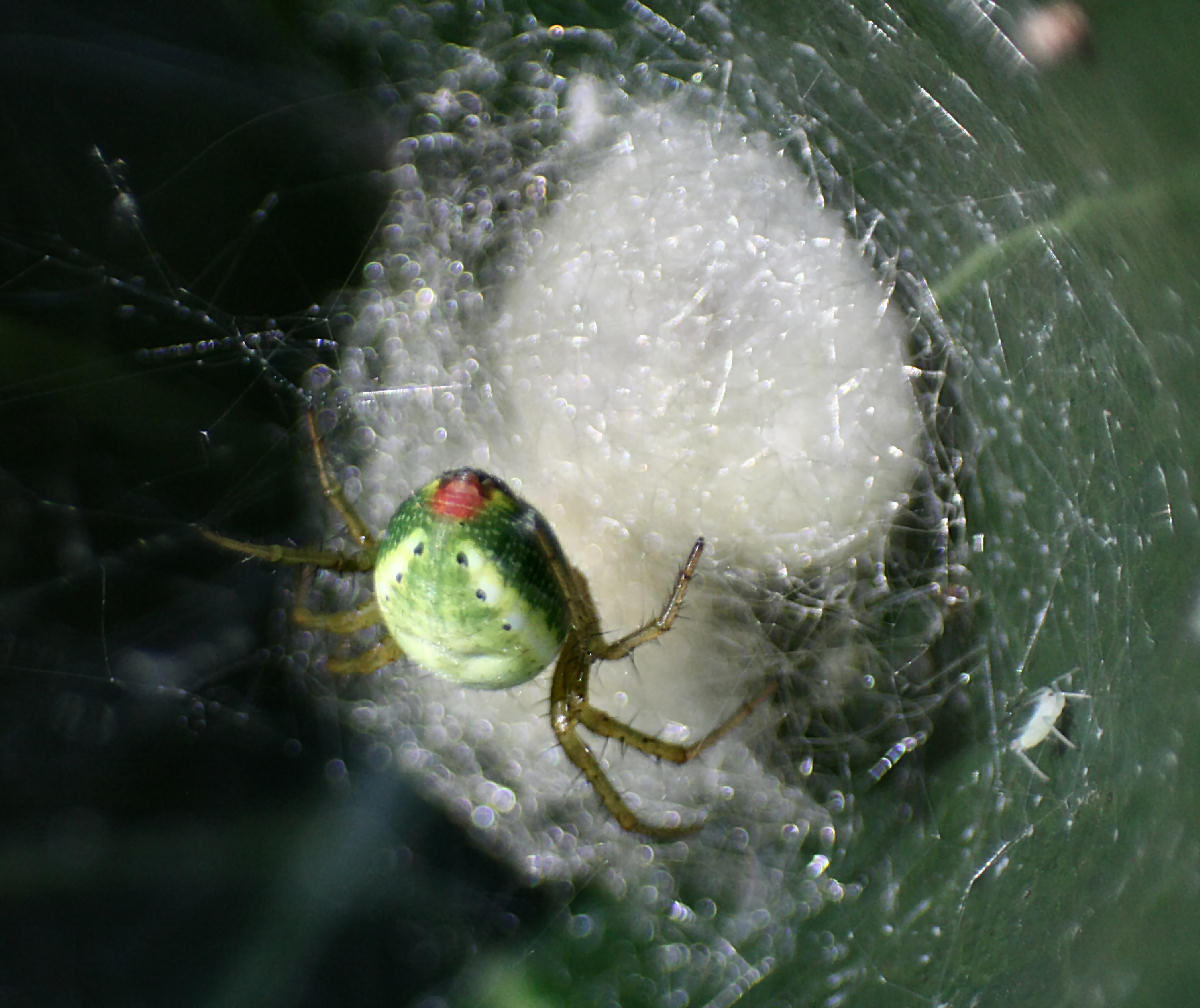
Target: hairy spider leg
{"x":335,"y":560}
{"x":603,"y":723}
{"x":569,"y":705}
{"x":334,"y":493}
{"x":655,"y":627}
{"x":344,"y":562}
{"x":360,"y":561}
{"x":366,"y":662}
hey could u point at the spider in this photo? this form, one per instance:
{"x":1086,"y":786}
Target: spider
{"x":471,"y":584}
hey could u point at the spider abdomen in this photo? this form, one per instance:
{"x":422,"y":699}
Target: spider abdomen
{"x":465,"y":580}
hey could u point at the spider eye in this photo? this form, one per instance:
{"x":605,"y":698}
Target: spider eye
{"x":462,"y":559}
{"x":419,"y":549}
{"x":481,"y":594}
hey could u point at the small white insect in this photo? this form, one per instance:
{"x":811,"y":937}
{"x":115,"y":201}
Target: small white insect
{"x":1048,"y":705}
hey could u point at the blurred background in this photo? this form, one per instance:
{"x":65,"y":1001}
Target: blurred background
{"x":189,"y":195}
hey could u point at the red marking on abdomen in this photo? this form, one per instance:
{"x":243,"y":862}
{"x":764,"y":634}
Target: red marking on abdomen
{"x":461,"y":496}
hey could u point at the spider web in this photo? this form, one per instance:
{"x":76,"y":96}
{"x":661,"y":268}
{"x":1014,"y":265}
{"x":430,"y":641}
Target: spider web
{"x":882,"y":847}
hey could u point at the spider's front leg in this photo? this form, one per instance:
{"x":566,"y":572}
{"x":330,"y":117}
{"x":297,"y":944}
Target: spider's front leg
{"x":335,"y":494}
{"x":350,"y":621}
{"x":360,"y":561}
{"x":322,"y":559}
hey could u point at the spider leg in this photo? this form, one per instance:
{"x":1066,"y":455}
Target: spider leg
{"x":579,"y":753}
{"x":661,"y":623}
{"x":349,"y":621}
{"x":383,"y":653}
{"x":568,"y":692}
{"x":569,"y":706}
{"x":345,"y":622}
{"x":325,"y":559}
{"x":362,"y":560}
{"x":567,"y":712}
{"x":603,"y":723}
{"x":334,"y":493}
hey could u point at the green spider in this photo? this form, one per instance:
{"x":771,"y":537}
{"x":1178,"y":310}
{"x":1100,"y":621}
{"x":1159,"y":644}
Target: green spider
{"x":472,"y":584}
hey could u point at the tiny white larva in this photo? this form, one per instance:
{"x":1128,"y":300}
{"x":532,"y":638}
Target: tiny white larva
{"x":1048,"y":705}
